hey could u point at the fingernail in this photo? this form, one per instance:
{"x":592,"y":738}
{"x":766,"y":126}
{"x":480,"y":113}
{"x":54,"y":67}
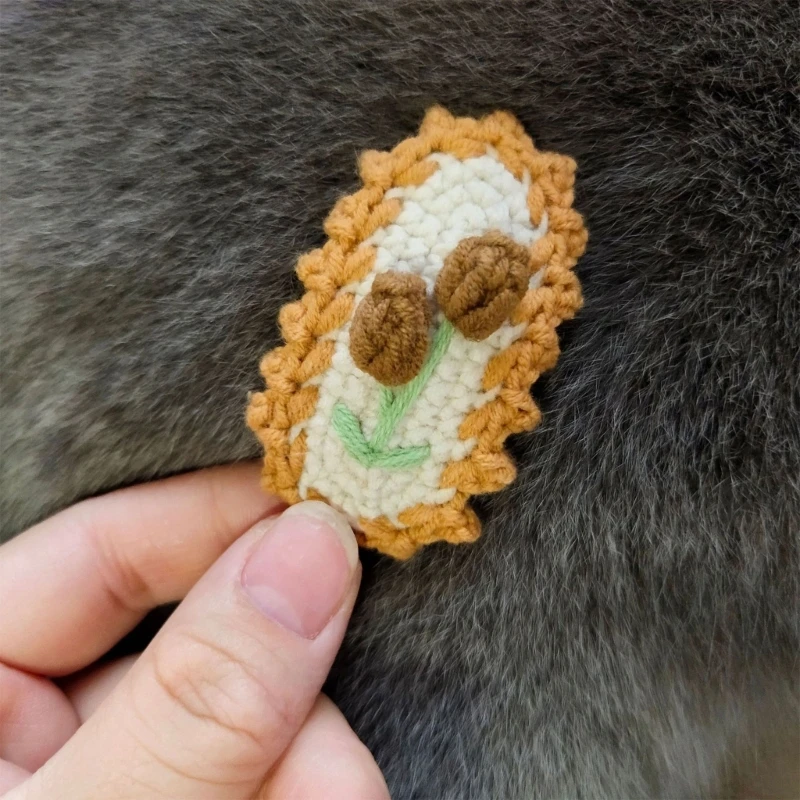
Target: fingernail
{"x":300,"y":571}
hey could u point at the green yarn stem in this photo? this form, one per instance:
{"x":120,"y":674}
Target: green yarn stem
{"x":395,"y":403}
{"x":393,"y":406}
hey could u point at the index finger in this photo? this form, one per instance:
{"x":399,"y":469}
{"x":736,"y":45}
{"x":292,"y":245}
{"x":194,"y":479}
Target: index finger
{"x":72,"y":585}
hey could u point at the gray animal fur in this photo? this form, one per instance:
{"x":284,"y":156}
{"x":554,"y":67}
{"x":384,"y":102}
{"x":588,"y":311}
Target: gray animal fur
{"x":635,"y":591}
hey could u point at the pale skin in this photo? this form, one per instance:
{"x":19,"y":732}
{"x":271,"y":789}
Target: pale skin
{"x":225,"y":702}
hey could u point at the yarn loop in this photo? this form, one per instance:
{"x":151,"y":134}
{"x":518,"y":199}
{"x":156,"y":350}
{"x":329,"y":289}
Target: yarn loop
{"x":389,"y":334}
{"x":482,"y":282}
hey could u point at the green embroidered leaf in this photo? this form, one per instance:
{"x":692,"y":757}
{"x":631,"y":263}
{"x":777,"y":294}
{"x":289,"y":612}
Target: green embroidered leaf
{"x":348,"y":428}
{"x":401,"y":457}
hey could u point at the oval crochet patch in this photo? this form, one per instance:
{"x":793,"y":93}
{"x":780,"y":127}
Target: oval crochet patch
{"x":428,"y":314}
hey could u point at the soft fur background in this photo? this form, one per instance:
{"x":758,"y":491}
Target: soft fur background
{"x":635,"y":591}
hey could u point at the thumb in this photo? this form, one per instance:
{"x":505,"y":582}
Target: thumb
{"x":227,"y":683}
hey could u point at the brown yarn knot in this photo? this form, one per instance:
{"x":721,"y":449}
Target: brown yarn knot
{"x":482,"y":282}
{"x":389,"y":334}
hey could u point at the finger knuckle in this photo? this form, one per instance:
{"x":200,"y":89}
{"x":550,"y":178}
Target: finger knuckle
{"x":124,"y":580}
{"x":210,"y":683}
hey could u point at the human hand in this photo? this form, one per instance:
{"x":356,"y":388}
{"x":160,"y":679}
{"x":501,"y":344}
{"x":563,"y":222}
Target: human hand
{"x":225,"y":702}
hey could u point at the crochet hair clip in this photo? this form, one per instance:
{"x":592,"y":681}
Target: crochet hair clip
{"x":428,"y":314}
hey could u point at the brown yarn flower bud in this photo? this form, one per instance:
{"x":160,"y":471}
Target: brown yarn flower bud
{"x":482,"y":282}
{"x":389,"y":334}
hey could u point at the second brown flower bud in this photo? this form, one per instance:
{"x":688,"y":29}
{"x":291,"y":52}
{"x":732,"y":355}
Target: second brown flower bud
{"x":482,"y":282}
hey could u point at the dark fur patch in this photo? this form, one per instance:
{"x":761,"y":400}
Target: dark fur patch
{"x":163,"y":164}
